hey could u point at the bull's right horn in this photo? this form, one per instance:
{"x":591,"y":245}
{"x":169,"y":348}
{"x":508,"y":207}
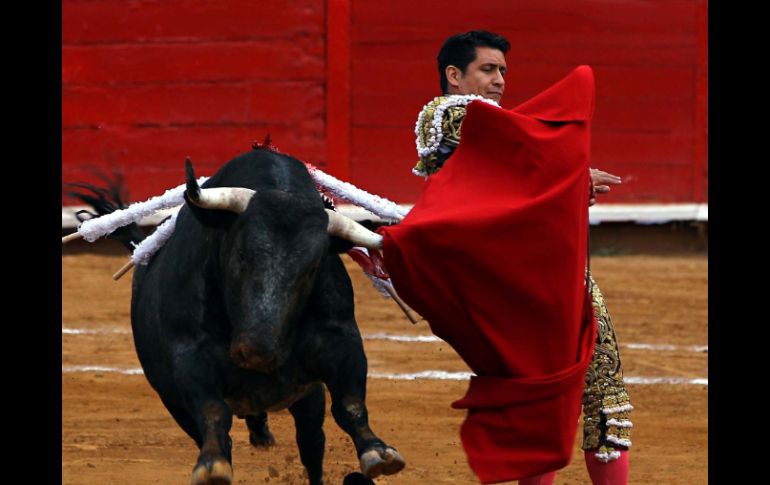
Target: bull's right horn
{"x":233,"y":199}
{"x":346,"y":228}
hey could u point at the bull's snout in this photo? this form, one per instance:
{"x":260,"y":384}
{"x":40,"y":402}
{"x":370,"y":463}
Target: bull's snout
{"x":247,"y":356}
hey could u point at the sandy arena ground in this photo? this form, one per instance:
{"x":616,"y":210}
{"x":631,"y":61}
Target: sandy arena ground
{"x":116,"y":431}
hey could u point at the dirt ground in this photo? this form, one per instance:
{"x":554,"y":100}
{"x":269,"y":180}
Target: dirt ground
{"x":115,"y":429}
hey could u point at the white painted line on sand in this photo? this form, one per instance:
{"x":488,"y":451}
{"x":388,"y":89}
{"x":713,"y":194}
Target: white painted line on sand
{"x":666,"y":380}
{"x":101,"y":368}
{"x":401,"y":338}
{"x":406,"y":338}
{"x":427,"y":374}
{"x":689,"y":348}
{"x":93,"y":331}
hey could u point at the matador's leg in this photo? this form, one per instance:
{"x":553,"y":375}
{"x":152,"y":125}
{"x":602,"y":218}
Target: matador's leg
{"x":606,"y":406}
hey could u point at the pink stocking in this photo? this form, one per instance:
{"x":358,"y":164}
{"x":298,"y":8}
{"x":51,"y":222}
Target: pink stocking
{"x":611,"y":473}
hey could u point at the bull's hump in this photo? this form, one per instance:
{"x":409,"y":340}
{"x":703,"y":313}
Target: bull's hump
{"x":263,"y":169}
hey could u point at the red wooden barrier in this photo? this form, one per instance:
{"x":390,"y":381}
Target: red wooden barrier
{"x":339,"y":83}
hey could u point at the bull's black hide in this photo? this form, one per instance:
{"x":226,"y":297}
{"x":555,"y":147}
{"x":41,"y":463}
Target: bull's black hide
{"x":245,"y":313}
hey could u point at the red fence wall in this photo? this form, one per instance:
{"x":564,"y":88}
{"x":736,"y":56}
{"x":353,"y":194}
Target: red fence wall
{"x":146,"y":83}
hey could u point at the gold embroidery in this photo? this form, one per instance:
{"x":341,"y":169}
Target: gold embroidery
{"x":450,"y":125}
{"x":605,"y":397}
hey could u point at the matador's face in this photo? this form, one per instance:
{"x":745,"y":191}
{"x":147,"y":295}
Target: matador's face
{"x":484,"y":76}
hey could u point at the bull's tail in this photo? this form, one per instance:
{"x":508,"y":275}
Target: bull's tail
{"x":106,"y":200}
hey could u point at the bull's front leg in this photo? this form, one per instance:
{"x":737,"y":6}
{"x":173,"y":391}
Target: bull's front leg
{"x":308,"y":415}
{"x":346,"y":381}
{"x":203,"y":413}
{"x":213,"y":466}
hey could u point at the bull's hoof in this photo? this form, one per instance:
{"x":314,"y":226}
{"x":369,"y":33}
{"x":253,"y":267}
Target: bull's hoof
{"x":219,"y":472}
{"x":262,"y":439}
{"x":378,"y":461}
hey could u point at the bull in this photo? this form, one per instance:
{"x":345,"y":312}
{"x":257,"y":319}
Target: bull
{"x":248,"y":309}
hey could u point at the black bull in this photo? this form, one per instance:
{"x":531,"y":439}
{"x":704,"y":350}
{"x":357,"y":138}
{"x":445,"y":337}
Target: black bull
{"x":244,"y":313}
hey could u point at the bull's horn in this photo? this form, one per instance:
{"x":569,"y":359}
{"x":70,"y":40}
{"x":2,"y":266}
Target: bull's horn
{"x":233,"y":199}
{"x":346,"y":228}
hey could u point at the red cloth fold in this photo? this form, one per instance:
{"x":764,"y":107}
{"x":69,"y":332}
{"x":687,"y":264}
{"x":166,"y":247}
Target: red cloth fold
{"x":493,"y":255}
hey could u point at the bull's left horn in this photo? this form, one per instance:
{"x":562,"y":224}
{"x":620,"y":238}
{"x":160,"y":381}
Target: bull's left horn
{"x":233,"y":199}
{"x":346,"y":228}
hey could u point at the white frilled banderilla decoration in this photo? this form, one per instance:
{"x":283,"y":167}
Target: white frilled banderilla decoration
{"x":371,"y":263}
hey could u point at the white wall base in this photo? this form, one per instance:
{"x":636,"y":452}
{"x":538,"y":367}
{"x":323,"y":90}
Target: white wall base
{"x":638,"y":213}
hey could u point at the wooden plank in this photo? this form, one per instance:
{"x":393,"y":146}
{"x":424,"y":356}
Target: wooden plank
{"x":553,"y":16}
{"x":663,"y":116}
{"x":149,"y":148}
{"x":141,"y":183}
{"x":382,"y":162}
{"x":700,"y":165}
{"x":613,"y":149}
{"x":397,"y":144}
{"x":389,"y":110}
{"x":118,"y":21}
{"x":338,"y":94}
{"x":164,"y":104}
{"x":377,"y":176}
{"x":646,"y":82}
{"x":213,"y":62}
{"x":377,"y":76}
{"x":522,"y":40}
{"x":612,"y":49}
{"x":646,"y":184}
{"x":399,"y":76}
{"x":155,"y":162}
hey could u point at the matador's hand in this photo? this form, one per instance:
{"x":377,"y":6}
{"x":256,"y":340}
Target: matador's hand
{"x":601,"y":181}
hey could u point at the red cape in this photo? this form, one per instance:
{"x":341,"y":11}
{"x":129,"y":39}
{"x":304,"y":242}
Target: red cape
{"x":493,"y":255}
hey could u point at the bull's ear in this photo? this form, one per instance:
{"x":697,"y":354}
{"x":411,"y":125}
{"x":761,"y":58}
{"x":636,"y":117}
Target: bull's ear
{"x":210,"y":217}
{"x":207,"y":217}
